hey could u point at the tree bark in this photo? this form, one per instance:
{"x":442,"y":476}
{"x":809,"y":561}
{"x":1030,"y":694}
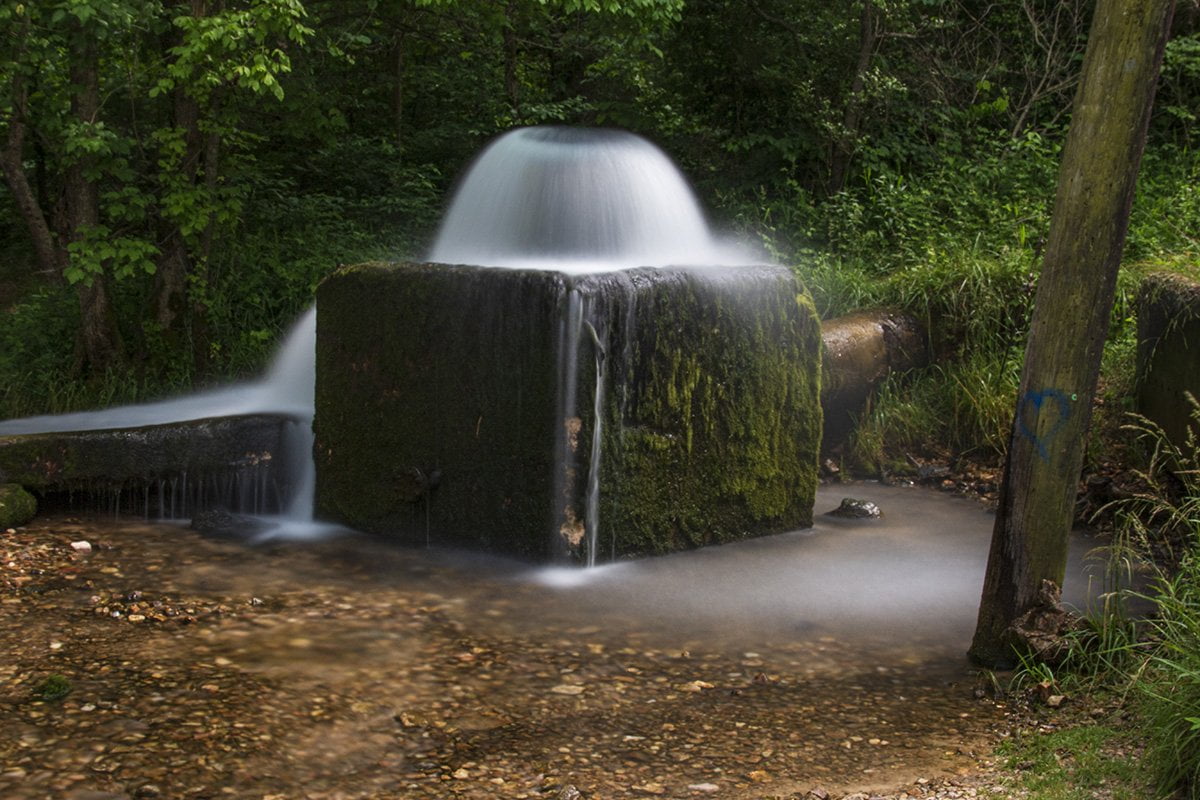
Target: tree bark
{"x":99,"y":340}
{"x":12,"y":163}
{"x":843,"y":146}
{"x":1071,"y":315}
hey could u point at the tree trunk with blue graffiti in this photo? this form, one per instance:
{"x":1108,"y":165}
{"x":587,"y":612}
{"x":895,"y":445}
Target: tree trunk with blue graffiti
{"x":1071,"y":318}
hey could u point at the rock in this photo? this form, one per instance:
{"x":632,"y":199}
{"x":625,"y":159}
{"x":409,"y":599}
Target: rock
{"x":817,"y":794}
{"x":81,"y":546}
{"x":568,"y":792}
{"x":17,"y":506}
{"x":855,"y":509}
{"x":703,"y":787}
{"x":927,"y":473}
{"x":568,"y":689}
{"x":147,"y":791}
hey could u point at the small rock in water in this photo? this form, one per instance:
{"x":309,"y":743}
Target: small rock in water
{"x":855,"y":509}
{"x":703,"y":787}
{"x":82,"y":546}
{"x":569,"y":792}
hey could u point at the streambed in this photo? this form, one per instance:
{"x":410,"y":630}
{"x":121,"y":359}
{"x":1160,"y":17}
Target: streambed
{"x":347,"y":668}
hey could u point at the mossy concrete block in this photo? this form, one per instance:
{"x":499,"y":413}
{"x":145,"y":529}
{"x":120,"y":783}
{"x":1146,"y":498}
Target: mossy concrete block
{"x":1168,"y":353}
{"x":459,"y":405}
{"x":195,"y":457}
{"x":17,"y":506}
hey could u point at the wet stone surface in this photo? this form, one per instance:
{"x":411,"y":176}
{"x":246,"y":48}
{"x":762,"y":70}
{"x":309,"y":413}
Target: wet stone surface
{"x":201,"y":668}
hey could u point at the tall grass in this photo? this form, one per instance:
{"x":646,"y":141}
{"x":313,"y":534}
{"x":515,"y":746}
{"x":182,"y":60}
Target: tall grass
{"x":1156,"y":661}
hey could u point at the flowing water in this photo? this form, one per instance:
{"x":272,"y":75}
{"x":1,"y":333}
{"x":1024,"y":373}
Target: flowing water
{"x":577,"y":200}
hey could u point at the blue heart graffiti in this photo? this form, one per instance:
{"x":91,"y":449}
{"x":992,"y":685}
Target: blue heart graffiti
{"x":1036,"y":400}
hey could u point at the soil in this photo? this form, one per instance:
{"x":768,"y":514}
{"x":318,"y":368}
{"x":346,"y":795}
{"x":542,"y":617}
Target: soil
{"x":194,"y":667}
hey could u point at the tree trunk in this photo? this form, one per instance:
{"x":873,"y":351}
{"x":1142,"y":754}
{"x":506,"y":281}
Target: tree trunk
{"x":512,"y":53}
{"x":843,"y":146}
{"x":12,"y":164}
{"x":99,"y":340}
{"x":398,"y":94}
{"x":1071,"y":315}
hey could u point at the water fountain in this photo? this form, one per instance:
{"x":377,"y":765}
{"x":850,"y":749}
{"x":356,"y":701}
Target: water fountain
{"x":568,"y":378}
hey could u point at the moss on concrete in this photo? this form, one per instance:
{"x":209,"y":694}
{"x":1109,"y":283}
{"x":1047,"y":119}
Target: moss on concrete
{"x":17,"y":506}
{"x":1168,"y":354}
{"x":713,"y":415}
{"x":440,"y":413}
{"x":78,"y":466}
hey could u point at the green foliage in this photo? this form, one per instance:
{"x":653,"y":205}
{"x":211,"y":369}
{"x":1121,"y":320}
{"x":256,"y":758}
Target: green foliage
{"x":901,"y":152}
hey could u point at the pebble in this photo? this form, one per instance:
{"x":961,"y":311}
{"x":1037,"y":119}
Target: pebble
{"x":568,"y":689}
{"x":82,"y":546}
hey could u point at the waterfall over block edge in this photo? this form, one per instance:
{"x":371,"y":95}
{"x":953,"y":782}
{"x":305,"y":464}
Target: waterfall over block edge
{"x":461,"y":406}
{"x":241,"y":463}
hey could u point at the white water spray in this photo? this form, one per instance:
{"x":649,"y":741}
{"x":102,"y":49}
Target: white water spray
{"x":577,"y":200}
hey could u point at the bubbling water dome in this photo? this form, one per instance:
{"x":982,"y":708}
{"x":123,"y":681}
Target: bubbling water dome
{"x":577,"y":199}
{"x":460,"y":410}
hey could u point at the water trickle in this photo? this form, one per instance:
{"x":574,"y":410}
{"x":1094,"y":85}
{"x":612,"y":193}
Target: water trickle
{"x":592,"y":498}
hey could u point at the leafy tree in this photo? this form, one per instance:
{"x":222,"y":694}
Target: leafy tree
{"x":125,"y":107}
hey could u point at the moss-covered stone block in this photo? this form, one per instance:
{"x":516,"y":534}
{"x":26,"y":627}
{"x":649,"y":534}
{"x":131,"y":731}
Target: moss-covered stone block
{"x":558,"y":416}
{"x":1168,"y":353}
{"x":17,"y":506}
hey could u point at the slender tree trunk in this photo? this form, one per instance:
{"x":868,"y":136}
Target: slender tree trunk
{"x":99,"y":340}
{"x":12,"y":163}
{"x":843,"y":146}
{"x":398,"y":94}
{"x":512,"y":85}
{"x":1071,"y":315}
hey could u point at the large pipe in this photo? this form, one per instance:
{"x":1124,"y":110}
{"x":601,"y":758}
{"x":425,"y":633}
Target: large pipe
{"x":860,"y":350}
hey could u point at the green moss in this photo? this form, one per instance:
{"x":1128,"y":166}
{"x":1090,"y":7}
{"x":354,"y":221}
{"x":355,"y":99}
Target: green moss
{"x":17,"y":506}
{"x":52,"y":687}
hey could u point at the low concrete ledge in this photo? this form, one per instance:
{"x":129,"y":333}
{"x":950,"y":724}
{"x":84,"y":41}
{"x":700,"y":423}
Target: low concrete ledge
{"x":173,"y":468}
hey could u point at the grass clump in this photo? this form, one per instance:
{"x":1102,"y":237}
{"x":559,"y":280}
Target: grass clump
{"x":1153,"y":663}
{"x":1076,"y":763}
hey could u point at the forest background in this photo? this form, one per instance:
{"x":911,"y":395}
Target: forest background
{"x":178,"y":176}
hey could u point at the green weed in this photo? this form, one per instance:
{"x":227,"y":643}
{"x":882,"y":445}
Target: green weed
{"x":53,"y":687}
